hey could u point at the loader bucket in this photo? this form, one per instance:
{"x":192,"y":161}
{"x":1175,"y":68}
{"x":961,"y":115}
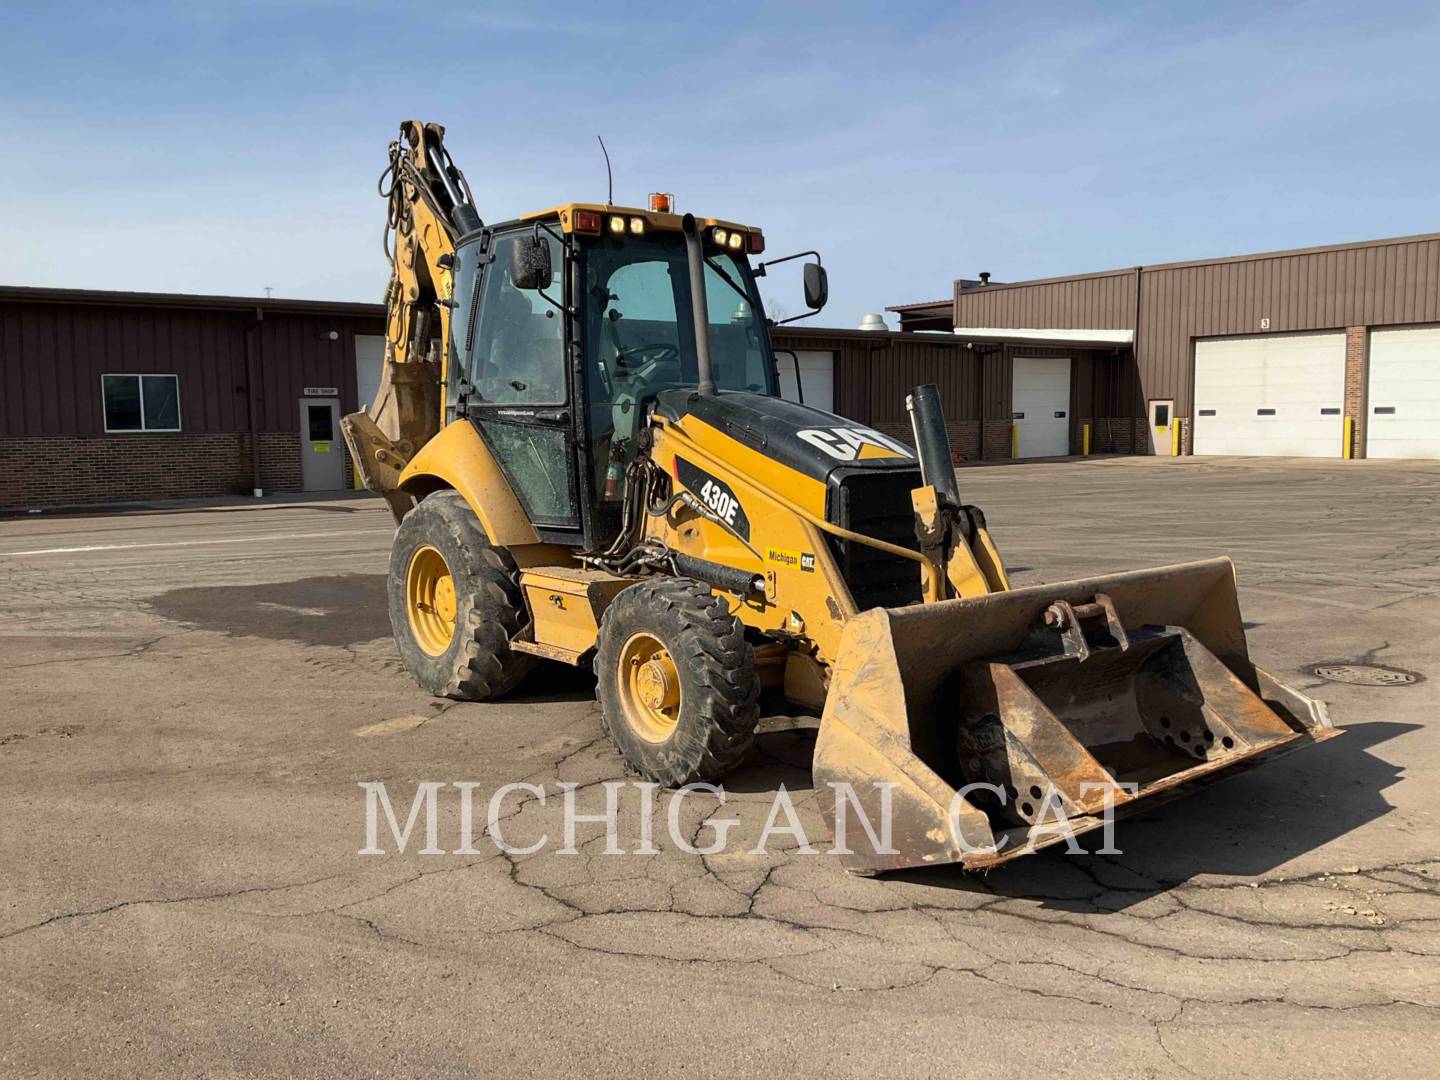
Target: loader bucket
{"x":998,"y":718}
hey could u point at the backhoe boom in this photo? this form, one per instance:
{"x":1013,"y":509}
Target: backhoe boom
{"x":430,"y":207}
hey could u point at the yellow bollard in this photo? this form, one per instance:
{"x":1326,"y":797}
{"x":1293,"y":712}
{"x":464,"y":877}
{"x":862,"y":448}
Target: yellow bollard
{"x":1175,"y":423}
{"x":1014,"y":441}
{"x":1347,"y":447}
{"x":1085,"y":439}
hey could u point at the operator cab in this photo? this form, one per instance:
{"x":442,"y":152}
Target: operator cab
{"x":568,"y":323}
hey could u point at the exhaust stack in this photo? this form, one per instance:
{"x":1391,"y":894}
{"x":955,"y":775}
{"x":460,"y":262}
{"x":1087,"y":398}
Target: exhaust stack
{"x":699,"y":305}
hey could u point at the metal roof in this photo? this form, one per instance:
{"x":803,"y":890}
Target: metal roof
{"x":187,"y":300}
{"x":1185,"y":263}
{"x":922,"y":306}
{"x":1093,"y":338}
{"x":947,"y":338}
{"x":800,"y":330}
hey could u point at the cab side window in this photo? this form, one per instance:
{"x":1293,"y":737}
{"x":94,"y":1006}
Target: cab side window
{"x":519,"y":352}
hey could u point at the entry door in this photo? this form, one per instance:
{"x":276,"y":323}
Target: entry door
{"x":1162,"y":416}
{"x":817,"y":376}
{"x":1404,"y":420}
{"x":322,"y":454}
{"x":1040,"y":403}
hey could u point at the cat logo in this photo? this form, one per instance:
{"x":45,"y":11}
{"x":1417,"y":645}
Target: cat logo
{"x":851,"y":443}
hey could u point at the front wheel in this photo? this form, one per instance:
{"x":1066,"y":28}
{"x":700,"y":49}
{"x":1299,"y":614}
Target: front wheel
{"x":455,"y":603}
{"x":677,"y":683}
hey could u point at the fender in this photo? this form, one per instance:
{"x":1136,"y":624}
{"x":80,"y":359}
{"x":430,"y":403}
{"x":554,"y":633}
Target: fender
{"x":458,"y":458}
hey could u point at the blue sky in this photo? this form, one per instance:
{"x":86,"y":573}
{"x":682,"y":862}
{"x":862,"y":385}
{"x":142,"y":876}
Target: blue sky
{"x":221,"y":147}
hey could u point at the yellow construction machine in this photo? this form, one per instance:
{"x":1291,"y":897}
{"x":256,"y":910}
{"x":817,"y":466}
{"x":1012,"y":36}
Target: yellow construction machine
{"x":579,"y":431}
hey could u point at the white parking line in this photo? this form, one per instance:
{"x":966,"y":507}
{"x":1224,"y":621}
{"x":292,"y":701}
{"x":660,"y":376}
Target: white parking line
{"x":340,"y":535}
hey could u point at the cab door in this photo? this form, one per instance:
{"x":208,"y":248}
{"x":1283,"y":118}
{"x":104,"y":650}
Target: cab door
{"x":516,"y":385}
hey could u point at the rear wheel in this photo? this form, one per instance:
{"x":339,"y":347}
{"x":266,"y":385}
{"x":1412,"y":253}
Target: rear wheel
{"x":677,"y":682}
{"x":455,"y":603}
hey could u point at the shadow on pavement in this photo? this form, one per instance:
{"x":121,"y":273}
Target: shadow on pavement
{"x":552,"y":682}
{"x":782,"y":757}
{"x":1242,"y":827}
{"x":339,"y":610}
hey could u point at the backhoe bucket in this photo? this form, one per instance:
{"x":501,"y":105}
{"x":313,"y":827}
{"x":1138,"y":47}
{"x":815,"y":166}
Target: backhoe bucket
{"x":1003,"y":721}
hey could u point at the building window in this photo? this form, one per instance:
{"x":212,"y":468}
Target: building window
{"x":141,"y":402}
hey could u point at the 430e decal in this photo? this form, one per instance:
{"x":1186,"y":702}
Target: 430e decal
{"x":717,"y":496}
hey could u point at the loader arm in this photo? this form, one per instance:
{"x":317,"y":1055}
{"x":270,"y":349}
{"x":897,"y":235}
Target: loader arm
{"x":430,"y":207}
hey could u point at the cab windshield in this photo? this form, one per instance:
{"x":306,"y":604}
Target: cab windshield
{"x":640,"y":337}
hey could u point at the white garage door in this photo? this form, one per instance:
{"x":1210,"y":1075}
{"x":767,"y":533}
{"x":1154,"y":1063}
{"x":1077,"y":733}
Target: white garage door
{"x":1404,"y":420}
{"x":369,"y":355}
{"x":1041,"y":405}
{"x":817,"y":377}
{"x":1279,"y":395}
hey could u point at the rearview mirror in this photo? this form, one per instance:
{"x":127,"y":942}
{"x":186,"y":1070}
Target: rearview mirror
{"x":530,"y":263}
{"x":817,"y":286}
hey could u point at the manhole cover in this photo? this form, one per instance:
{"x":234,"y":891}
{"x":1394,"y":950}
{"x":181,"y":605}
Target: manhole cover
{"x":1366,"y":674}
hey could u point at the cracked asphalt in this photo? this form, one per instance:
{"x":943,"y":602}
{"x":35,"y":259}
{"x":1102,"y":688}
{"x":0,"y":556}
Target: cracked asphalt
{"x":192,"y":699}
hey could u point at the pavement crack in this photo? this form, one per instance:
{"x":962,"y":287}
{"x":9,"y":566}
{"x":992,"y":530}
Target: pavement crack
{"x":194,"y":898}
{"x":138,"y":649}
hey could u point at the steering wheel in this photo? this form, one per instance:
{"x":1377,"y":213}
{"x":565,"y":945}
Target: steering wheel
{"x":657,"y":353}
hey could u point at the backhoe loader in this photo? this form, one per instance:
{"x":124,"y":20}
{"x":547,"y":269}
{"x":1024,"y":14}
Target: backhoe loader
{"x":579,"y":432}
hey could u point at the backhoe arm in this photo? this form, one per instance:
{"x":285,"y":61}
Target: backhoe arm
{"x":430,"y":207}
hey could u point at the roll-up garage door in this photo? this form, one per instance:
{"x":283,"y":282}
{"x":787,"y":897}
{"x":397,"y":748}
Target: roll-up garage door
{"x":817,"y":376}
{"x":369,"y":363}
{"x":1040,"y":398}
{"x":1404,"y":407}
{"x":1275,"y":395}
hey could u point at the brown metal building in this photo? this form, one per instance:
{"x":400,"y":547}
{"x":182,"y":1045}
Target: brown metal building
{"x":110,"y":396}
{"x":114,"y":396}
{"x":1290,"y":352}
{"x":873,"y":371}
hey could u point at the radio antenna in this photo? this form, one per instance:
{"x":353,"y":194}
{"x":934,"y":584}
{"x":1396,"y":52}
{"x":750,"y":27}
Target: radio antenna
{"x":609,"y":176}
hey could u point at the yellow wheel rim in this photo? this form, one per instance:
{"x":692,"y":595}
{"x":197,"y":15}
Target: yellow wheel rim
{"x":649,"y":688}
{"x":430,"y":600}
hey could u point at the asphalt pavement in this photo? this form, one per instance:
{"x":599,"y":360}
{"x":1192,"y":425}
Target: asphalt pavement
{"x":192,"y":699}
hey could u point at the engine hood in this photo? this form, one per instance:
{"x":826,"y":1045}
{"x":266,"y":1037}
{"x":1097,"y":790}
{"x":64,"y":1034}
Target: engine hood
{"x":810,"y":441}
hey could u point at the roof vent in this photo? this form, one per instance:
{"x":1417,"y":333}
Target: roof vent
{"x":984,"y":277}
{"x":873,"y":322}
